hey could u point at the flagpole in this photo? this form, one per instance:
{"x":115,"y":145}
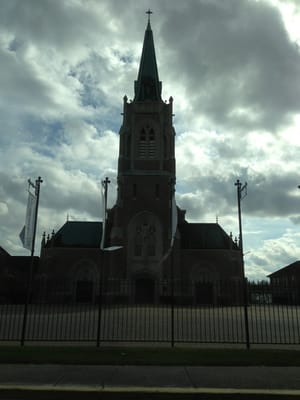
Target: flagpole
{"x":104,"y":183}
{"x":36,"y":187}
{"x":172,"y":231}
{"x":241,"y":193}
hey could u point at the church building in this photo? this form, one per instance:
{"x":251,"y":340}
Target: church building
{"x":150,"y":249}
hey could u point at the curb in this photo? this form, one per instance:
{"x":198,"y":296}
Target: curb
{"x":98,"y":392}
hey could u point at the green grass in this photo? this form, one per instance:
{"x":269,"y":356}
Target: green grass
{"x":147,"y":356}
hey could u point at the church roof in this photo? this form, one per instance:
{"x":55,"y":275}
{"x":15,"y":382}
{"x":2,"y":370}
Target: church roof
{"x":285,"y":271}
{"x":3,"y":252}
{"x":78,"y":234}
{"x":147,"y":86}
{"x":204,"y":236}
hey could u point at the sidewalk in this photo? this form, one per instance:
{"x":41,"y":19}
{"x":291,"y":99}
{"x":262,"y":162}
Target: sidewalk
{"x":147,"y":382}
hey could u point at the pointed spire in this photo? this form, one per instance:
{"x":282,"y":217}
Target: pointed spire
{"x":147,"y":86}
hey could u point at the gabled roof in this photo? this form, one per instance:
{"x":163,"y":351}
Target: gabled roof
{"x":147,"y":86}
{"x":289,"y":269}
{"x":3,"y":252}
{"x":77,"y":234}
{"x":205,"y":236}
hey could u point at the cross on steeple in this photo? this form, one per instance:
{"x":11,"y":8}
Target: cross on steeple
{"x":149,"y":12}
{"x":147,"y":86}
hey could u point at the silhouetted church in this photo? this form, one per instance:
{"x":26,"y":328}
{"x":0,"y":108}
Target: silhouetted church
{"x":141,"y":220}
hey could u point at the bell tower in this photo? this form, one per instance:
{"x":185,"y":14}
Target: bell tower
{"x":141,"y":219}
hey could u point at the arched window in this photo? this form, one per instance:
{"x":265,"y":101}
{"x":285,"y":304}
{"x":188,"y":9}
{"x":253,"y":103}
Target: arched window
{"x":145,"y":240}
{"x":138,"y":242}
{"x":147,"y":143}
{"x":151,"y":240}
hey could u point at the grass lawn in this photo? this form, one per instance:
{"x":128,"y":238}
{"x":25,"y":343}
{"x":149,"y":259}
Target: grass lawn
{"x":147,"y":356}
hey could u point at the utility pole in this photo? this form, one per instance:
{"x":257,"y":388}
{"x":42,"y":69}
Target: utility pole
{"x":241,"y":194}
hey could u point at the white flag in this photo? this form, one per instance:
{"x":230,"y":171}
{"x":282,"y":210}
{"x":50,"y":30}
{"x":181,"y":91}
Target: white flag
{"x":113,"y":248}
{"x":174,"y":221}
{"x":27,"y":232}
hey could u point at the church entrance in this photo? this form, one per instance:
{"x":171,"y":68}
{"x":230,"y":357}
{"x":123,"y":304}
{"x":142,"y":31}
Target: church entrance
{"x":85,"y":276}
{"x":84,"y":291}
{"x":144,"y":291}
{"x":204,"y":293}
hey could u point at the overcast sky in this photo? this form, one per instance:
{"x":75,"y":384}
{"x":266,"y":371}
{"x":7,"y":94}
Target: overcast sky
{"x":233,"y":69}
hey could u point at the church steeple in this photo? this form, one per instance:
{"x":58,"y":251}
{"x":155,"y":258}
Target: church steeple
{"x":140,"y":222}
{"x":147,"y":86}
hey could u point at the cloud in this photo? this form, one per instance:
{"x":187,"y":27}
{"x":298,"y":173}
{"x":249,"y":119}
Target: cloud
{"x":233,"y":70}
{"x":3,"y":208}
{"x":59,"y":25}
{"x":273,"y":254}
{"x":237,"y":62}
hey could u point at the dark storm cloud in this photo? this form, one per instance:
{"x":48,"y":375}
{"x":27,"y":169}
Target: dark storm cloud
{"x":232,"y":70}
{"x":42,"y":42}
{"x":236,"y":60}
{"x":268,"y":196}
{"x":296,"y":220}
{"x":60,"y":23}
{"x":273,"y":196}
{"x":11,"y":188}
{"x":21,"y":91}
{"x":70,"y":196}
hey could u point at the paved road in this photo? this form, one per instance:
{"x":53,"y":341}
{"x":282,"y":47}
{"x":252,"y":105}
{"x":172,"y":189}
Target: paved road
{"x":153,"y":382}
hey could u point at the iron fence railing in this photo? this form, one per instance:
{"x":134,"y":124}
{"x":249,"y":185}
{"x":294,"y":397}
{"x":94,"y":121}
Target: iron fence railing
{"x":166,"y":311}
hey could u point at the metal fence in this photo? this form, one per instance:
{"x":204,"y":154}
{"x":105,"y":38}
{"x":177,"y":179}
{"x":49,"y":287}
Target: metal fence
{"x":170,"y":312}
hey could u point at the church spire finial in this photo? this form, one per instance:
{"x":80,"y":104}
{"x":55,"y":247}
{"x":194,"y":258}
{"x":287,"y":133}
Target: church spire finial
{"x":149,"y":12}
